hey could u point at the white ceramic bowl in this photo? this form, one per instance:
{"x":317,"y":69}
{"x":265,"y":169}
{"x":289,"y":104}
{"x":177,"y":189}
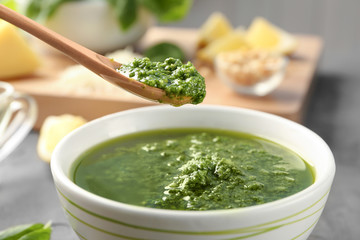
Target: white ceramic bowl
{"x":93,"y":24}
{"x":293,"y":217}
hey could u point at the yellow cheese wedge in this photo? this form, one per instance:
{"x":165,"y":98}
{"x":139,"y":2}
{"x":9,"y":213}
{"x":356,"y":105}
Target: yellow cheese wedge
{"x":266,"y":36}
{"x":216,"y":26}
{"x":232,"y":41}
{"x":16,"y":56}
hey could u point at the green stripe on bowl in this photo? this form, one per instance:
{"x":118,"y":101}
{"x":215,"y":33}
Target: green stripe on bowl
{"x":79,"y":235}
{"x":282,"y":225}
{"x":312,"y":225}
{"x":99,"y":229}
{"x":257,"y":231}
{"x":258,"y":228}
{"x":261,"y":231}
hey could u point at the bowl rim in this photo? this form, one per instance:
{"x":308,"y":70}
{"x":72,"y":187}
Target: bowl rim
{"x":60,"y":176}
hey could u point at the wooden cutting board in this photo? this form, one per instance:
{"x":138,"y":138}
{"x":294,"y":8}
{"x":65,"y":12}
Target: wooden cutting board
{"x":288,"y":100}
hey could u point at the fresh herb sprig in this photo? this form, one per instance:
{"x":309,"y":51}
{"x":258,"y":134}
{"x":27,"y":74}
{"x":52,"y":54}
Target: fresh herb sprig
{"x":36,"y":231}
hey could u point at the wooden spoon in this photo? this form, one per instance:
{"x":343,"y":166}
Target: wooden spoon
{"x":99,"y":64}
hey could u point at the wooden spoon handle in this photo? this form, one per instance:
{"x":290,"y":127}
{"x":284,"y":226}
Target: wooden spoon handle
{"x":91,"y":60}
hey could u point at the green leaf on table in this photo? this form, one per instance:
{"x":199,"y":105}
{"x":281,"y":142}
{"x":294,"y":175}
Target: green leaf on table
{"x":161,"y":51}
{"x":37,"y":231}
{"x":39,"y":234}
{"x":14,"y":233}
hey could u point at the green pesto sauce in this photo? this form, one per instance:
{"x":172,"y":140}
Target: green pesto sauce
{"x":191,"y":169}
{"x":175,"y":78}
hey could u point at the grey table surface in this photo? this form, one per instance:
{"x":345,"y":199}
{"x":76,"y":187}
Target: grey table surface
{"x":27,"y":192}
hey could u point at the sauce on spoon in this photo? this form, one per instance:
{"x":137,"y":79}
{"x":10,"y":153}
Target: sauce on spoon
{"x":179,"y":81}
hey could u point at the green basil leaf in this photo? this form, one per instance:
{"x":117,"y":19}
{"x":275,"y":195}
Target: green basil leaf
{"x":168,"y":10}
{"x":126,"y":12}
{"x":161,"y":51}
{"x":44,"y":9}
{"x":33,"y":9}
{"x":14,"y":233}
{"x":40,"y":234}
{"x":54,"y":5}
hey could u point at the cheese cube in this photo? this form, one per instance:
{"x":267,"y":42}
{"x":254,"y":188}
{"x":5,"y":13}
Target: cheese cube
{"x":16,"y":56}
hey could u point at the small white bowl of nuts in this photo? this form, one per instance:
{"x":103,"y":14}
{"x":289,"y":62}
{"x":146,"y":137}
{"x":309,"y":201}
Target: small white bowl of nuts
{"x":251,"y":72}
